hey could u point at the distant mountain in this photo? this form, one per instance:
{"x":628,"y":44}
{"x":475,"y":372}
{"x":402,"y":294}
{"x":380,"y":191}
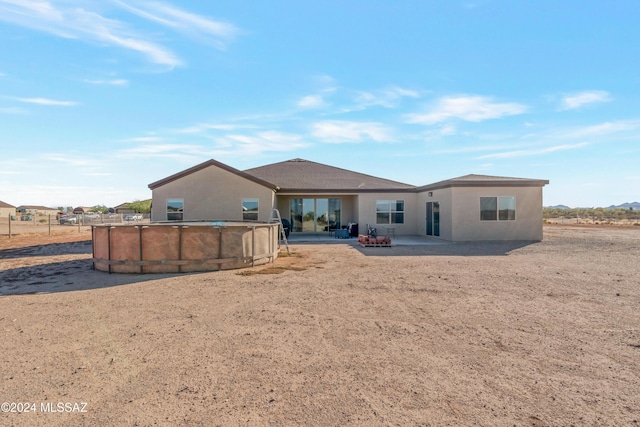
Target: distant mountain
{"x":634,"y":205}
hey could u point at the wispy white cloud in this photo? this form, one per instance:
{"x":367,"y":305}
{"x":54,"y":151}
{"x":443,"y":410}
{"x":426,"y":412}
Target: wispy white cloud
{"x":601,"y":129}
{"x":347,"y":100}
{"x":388,"y":97}
{"x":485,"y":167}
{"x":13,"y":110}
{"x":468,"y":108}
{"x":311,"y":101}
{"x":547,"y":140}
{"x":74,"y":162}
{"x":342,"y":131}
{"x":448,"y":129}
{"x":111,"y":82}
{"x":159,"y":149}
{"x":59,"y":190}
{"x":253,"y":144}
{"x":144,"y":139}
{"x":33,"y":8}
{"x":67,"y":20}
{"x":217,"y":33}
{"x":397,"y":92}
{"x":184,"y":153}
{"x":100,"y":174}
{"x":156,"y":53}
{"x":68,"y":159}
{"x":326,"y":87}
{"x":474,"y":149}
{"x":577,"y":100}
{"x":223,"y":146}
{"x":46,"y":101}
{"x":533,"y":152}
{"x":205,"y":127}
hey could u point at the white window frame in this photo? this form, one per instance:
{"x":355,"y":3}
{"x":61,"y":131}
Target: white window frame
{"x":180,"y":212}
{"x":246,"y":213}
{"x":391,"y":212}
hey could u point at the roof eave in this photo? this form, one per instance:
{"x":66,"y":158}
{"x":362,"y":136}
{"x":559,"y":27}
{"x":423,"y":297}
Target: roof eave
{"x":488,"y":183}
{"x":344,"y":190}
{"x":205,"y":165}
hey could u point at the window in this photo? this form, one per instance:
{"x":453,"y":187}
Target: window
{"x":249,"y":209}
{"x":314,"y":214}
{"x":389,"y":211}
{"x":175,"y":209}
{"x":498,"y":208}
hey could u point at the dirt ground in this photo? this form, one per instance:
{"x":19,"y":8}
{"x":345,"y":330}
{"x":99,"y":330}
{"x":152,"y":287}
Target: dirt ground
{"x":458,"y":334}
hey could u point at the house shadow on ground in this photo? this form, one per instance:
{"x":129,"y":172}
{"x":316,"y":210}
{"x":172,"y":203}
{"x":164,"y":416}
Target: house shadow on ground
{"x":37,"y":270}
{"x":49,"y":249}
{"x":421,"y":246}
{"x":462,"y":249}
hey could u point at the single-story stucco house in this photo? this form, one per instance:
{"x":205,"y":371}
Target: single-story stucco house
{"x":7,"y":210}
{"x":37,"y":210}
{"x":123,"y":208}
{"x":319,"y":198}
{"x":82,"y":210}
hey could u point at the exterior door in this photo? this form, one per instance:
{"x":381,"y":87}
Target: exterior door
{"x":433,"y":218}
{"x":308,"y":215}
{"x":314,"y":215}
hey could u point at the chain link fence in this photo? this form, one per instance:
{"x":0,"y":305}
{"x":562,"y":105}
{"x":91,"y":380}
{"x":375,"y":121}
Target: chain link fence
{"x":28,"y":223}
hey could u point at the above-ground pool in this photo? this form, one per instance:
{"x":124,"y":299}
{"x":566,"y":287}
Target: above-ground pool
{"x":183,"y":247}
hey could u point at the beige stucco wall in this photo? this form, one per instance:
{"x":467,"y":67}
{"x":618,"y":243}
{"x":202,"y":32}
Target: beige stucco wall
{"x":52,"y":212}
{"x":465,"y":210}
{"x":5,"y":212}
{"x":443,"y":196}
{"x":367,"y":213}
{"x":212,"y":193}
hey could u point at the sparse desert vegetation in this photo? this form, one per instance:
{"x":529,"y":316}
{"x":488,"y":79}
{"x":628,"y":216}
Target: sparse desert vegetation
{"x":595,"y":216}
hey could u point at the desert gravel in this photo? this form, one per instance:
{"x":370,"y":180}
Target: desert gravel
{"x":455,"y":334}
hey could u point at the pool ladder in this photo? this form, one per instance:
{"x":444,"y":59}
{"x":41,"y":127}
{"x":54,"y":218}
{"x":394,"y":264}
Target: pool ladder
{"x":275,"y":216}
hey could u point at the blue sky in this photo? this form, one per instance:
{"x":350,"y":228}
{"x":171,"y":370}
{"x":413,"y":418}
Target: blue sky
{"x":100,"y":98}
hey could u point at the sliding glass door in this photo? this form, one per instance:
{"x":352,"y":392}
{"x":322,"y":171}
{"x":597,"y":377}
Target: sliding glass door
{"x":322,"y":214}
{"x":334,"y":214}
{"x":308,"y":215}
{"x":433,"y":218}
{"x":314,"y":215}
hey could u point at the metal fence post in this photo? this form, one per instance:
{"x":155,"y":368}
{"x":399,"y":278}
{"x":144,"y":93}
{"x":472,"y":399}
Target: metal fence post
{"x":253,"y":246}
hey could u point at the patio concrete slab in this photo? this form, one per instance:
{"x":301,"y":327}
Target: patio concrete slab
{"x":296,"y":238}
